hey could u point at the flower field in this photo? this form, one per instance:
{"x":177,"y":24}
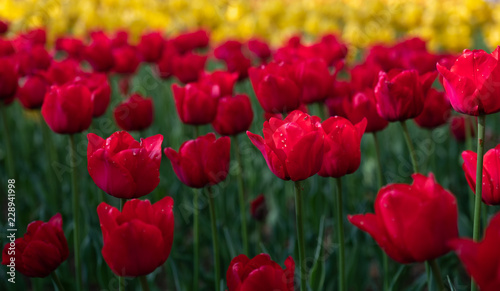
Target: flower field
{"x":250,"y":145}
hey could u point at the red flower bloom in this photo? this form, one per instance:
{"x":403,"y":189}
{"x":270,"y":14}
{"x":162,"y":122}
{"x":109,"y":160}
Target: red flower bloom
{"x":4,"y":27}
{"x":99,"y":88}
{"x":122,"y":166}
{"x":238,"y":63}
{"x":151,"y":46}
{"x":363,"y":105}
{"x":188,"y":67}
{"x":73,"y":47}
{"x":437,"y":110}
{"x":196,"y":104}
{"x":234,"y":115}
{"x":258,"y":208}
{"x":33,"y":91}
{"x":260,"y":273}
{"x":412,"y":223}
{"x":8,"y":79}
{"x":473,"y":83}
{"x":293,"y":147}
{"x":68,"y":109}
{"x":399,"y":95}
{"x":191,"y":40}
{"x":135,"y":113}
{"x":40,"y":251}
{"x":223,"y":79}
{"x":342,"y":153}
{"x":202,"y":161}
{"x":482,"y":259}
{"x":139,"y":239}
{"x":125,"y":59}
{"x":275,"y":87}
{"x":314,"y":80}
{"x":365,"y":76}
{"x":225,"y":50}
{"x":164,"y":65}
{"x":491,"y":174}
{"x":60,"y":73}
{"x":259,"y":48}
{"x":99,"y":54}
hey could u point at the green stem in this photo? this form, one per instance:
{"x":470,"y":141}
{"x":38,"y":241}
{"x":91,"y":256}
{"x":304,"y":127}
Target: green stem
{"x":8,"y":144}
{"x":340,"y":234}
{"x":196,"y":131}
{"x":385,"y":259}
{"x":479,"y":182}
{"x":413,"y":154}
{"x":56,"y":280}
{"x":76,"y":212}
{"x":144,"y":283}
{"x":51,"y":158}
{"x":196,"y":242}
{"x":241,"y":196}
{"x":300,"y":236}
{"x":215,"y":239}
{"x":379,"y":160}
{"x":437,"y":274}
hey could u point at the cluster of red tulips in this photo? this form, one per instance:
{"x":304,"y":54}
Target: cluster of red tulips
{"x":411,"y":223}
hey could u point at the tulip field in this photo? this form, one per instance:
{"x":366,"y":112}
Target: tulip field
{"x":260,"y":145}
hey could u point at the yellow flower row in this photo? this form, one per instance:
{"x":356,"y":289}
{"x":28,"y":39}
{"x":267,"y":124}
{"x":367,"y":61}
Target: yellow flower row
{"x":447,"y":24}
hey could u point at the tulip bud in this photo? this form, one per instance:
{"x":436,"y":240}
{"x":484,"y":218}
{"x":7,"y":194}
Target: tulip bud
{"x":135,"y":113}
{"x":40,"y":251}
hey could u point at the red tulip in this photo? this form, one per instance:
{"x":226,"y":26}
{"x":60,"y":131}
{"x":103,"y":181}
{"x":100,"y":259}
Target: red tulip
{"x":412,"y":223}
{"x":201,"y":162}
{"x":260,"y":49}
{"x":260,"y":273}
{"x":238,"y":63}
{"x":473,"y":83}
{"x":225,"y":50}
{"x":482,"y":259}
{"x":234,"y":115}
{"x":36,"y":36}
{"x":135,"y":113}
{"x":314,"y":80}
{"x":39,"y":59}
{"x":275,"y":87}
{"x":258,"y":208}
{"x":120,"y":39}
{"x":8,"y":79}
{"x":457,"y":127}
{"x":191,"y":40}
{"x":60,"y":73}
{"x":122,"y":166}
{"x":223,"y":79}
{"x":125,"y":59}
{"x":491,"y":174}
{"x":4,"y":27}
{"x":188,"y":67}
{"x":99,"y":54}
{"x":40,"y":251}
{"x":196,"y":104}
{"x":363,"y":105}
{"x":365,"y":76}
{"x":150,"y":46}
{"x":73,"y":47}
{"x":293,"y":147}
{"x":340,"y":92}
{"x":437,"y":110}
{"x":138,"y":239}
{"x":342,"y":153}
{"x":164,"y":65}
{"x":6,"y":48}
{"x":67,"y":109}
{"x":399,"y":95}
{"x":33,"y":91}
{"x":99,"y":88}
